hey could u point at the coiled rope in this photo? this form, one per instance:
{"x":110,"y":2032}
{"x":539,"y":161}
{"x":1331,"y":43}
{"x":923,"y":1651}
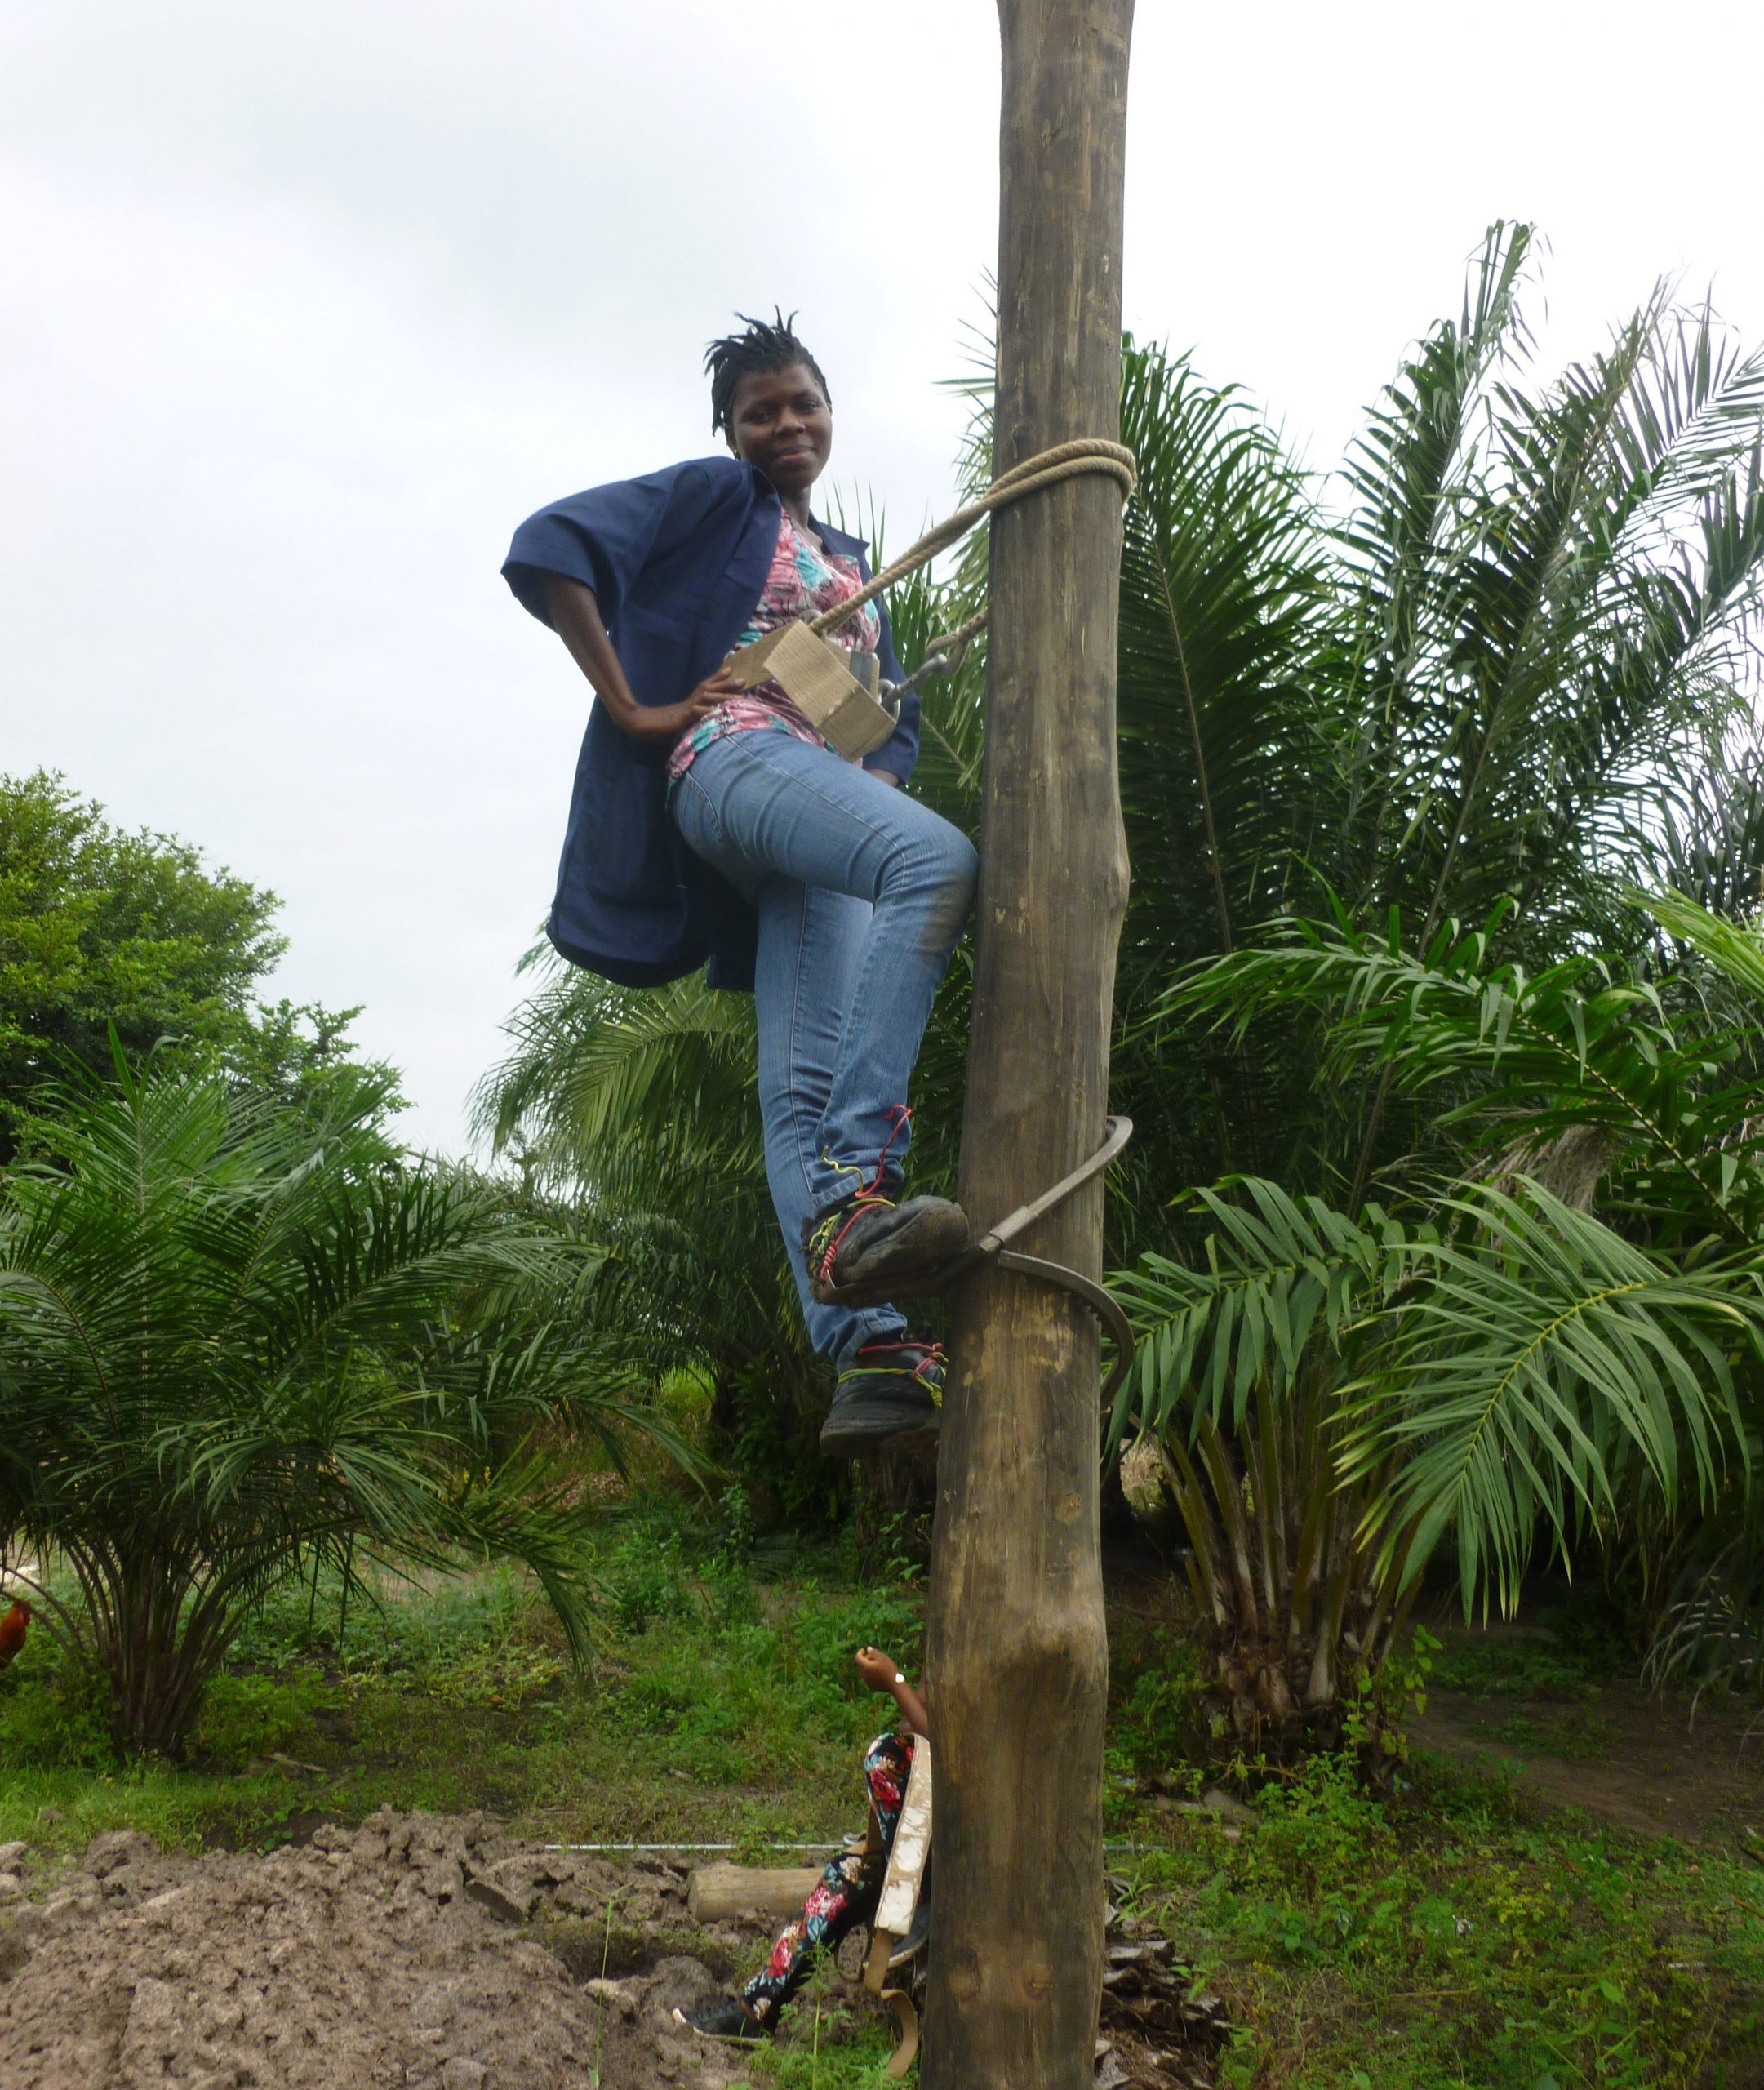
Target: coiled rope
{"x":1047,"y":468}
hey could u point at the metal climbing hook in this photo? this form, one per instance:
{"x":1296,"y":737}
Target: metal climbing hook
{"x":1101,"y":1301}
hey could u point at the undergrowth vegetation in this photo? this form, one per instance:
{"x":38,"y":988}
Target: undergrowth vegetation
{"x":1456,"y":1935}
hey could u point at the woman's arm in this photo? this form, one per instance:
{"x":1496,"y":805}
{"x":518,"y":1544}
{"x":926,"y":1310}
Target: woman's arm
{"x":878,"y":1671}
{"x":575,"y":615}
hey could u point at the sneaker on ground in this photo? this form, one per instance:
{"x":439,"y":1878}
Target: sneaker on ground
{"x":723,"y":2021}
{"x":890,"y":1391}
{"x":866,"y":1248}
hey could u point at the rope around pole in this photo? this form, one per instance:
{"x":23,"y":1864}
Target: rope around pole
{"x":1065,"y":461}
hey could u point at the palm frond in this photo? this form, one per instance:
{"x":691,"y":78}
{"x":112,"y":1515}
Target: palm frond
{"x":1518,"y":1365}
{"x":595,"y":1067}
{"x":1543,"y":1357}
{"x":1282,"y":1274}
{"x":1508,"y":1055}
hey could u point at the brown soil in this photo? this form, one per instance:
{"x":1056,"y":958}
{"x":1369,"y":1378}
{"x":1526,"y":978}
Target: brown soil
{"x":400,"y":1953}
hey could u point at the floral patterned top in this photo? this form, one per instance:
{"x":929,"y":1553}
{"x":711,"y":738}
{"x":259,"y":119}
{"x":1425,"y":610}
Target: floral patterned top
{"x":804,"y":581}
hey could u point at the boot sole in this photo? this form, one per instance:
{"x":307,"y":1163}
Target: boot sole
{"x":917,"y":1257}
{"x":874,"y":1426}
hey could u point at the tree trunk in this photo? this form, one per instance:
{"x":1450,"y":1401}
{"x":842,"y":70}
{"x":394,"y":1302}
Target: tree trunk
{"x":1017,"y":1651}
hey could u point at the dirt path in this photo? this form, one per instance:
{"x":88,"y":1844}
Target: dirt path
{"x":1643,"y":1762}
{"x":1623,"y":1754}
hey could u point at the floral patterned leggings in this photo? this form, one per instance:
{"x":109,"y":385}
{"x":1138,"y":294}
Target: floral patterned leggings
{"x":848,"y":1890}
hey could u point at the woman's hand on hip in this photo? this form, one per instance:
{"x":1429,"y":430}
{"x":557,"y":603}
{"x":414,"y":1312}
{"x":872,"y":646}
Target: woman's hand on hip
{"x":575,"y":614}
{"x":666,"y":721}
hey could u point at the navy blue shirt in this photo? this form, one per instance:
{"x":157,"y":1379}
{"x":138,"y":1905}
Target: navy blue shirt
{"x":677,"y":561}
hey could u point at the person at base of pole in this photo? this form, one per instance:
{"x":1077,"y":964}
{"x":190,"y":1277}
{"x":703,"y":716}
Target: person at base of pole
{"x":851,"y":1887}
{"x":710,"y":823}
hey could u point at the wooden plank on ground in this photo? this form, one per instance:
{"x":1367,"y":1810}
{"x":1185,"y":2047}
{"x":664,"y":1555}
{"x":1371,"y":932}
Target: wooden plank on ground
{"x":716,"y":1891}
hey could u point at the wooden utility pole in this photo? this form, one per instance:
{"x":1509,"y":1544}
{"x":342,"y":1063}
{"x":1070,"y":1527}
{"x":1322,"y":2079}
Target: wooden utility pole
{"x":1017,"y":1654}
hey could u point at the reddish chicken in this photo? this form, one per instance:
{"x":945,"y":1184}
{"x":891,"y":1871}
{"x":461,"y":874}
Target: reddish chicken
{"x":13,"y":1628}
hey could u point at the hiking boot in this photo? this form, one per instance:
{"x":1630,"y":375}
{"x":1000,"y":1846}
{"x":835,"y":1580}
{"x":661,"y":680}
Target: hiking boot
{"x":723,"y":2021}
{"x":867,"y":1249}
{"x":890,"y":1390}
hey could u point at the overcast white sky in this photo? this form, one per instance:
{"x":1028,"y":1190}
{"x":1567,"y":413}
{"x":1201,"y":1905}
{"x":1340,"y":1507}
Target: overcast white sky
{"x":303,"y":307}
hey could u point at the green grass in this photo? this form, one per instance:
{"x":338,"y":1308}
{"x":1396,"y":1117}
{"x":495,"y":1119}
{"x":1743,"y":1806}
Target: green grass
{"x":1454,"y":1937}
{"x":1569,"y":1653}
{"x":859,"y":2062}
{"x":824,"y":2045}
{"x":720,"y":1706}
{"x":1575,"y":1738}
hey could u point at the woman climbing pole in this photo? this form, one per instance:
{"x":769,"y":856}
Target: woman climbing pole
{"x":711,"y":823}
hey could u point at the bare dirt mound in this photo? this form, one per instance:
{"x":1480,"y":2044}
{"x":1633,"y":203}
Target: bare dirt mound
{"x":432,"y":1951}
{"x":401,"y":1952}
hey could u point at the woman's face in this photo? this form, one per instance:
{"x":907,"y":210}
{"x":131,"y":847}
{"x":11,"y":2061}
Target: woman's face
{"x":780,"y":423}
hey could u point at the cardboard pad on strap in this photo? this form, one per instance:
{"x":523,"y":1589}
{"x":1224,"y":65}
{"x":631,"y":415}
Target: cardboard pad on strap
{"x":815,"y":674}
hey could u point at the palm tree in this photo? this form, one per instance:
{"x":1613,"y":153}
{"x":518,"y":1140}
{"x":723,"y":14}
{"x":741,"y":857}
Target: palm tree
{"x":1560,"y":1334}
{"x":1527,"y":689}
{"x":1519,"y":666}
{"x":236,"y":1343}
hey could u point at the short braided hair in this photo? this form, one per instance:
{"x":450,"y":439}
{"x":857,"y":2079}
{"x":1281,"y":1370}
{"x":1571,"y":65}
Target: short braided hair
{"x":765,"y":345}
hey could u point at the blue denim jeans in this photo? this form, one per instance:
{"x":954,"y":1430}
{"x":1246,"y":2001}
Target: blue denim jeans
{"x":861,"y":893}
